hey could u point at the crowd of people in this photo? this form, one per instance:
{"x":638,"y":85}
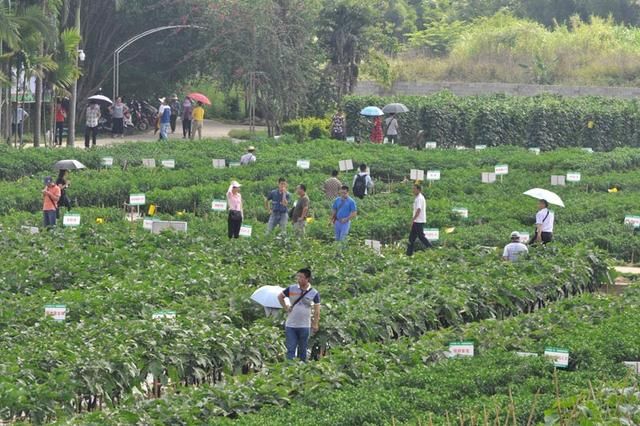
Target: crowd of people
{"x":387,"y":130}
{"x":191,"y":114}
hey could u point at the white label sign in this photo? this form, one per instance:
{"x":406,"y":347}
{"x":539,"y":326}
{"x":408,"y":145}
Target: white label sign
{"x":526,"y":354}
{"x":106,"y":161}
{"x":345,"y":165}
{"x":432,"y":234}
{"x":417,"y":174}
{"x":431,"y":145}
{"x":633,"y":365}
{"x":480,"y":147}
{"x":524,"y":237}
{"x":234,"y":164}
{"x":169,"y":164}
{"x":374,"y":245}
{"x":351,"y":138}
{"x":588,"y":150}
{"x":488,"y":177}
{"x":502,"y":169}
{"x":303,"y":164}
{"x":137,"y":200}
{"x":245,"y":231}
{"x":574,"y":177}
{"x":219,"y":205}
{"x":632,"y":220}
{"x":164,"y":315}
{"x":460,"y":147}
{"x":433,"y":174}
{"x":558,"y":180}
{"x":57,"y":312}
{"x":149,"y":162}
{"x":71,"y":219}
{"x":559,"y":357}
{"x":219,"y":164}
{"x":461,"y":211}
{"x":31,"y":229}
{"x":536,"y":151}
{"x":461,"y":349}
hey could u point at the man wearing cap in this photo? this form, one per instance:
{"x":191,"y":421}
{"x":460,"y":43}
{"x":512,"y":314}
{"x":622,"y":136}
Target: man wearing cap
{"x":51,"y":196}
{"x":514,"y":249}
{"x":164,"y":114}
{"x":277,"y":202}
{"x":236,"y":214}
{"x":175,"y":111}
{"x":249,"y":157}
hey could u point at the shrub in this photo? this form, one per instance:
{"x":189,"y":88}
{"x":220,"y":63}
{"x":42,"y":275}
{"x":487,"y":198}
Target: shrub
{"x":307,"y":128}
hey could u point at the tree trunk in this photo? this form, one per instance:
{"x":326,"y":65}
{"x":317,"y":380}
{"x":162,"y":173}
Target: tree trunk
{"x":37,"y":116}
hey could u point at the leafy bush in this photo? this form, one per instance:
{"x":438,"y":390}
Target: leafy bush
{"x":308,"y":128}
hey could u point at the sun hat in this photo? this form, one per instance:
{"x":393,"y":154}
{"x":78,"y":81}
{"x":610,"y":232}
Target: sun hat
{"x":235,"y":184}
{"x":162,"y":99}
{"x":515,"y":234}
{"x":251,"y":148}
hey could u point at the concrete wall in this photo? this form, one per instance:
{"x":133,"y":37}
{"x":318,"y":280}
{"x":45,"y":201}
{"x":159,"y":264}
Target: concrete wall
{"x":470,"y":89}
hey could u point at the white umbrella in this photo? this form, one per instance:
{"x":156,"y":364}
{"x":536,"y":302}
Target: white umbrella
{"x":267,"y":296}
{"x":543,"y":194}
{"x":395,"y":109}
{"x":69,"y":165}
{"x":100,"y":98}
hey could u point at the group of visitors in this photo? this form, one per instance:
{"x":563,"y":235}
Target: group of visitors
{"x":191,"y":114}
{"x":388,"y":129}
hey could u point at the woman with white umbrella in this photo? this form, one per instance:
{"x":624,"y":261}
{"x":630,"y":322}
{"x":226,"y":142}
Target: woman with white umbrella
{"x":544,"y":218}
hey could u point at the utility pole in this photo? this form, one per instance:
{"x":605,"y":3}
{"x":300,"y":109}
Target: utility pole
{"x":71,"y":134}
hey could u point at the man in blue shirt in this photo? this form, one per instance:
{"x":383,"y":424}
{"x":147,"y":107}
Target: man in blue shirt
{"x":344,"y":211}
{"x":277,"y":202}
{"x":164,"y":114}
{"x":304,"y":302}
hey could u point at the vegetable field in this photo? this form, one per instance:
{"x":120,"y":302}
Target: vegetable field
{"x":380,"y":357}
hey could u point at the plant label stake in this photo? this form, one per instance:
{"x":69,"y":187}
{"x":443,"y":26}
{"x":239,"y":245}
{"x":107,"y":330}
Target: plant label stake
{"x":461,"y":349}
{"x":31,"y":229}
{"x":526,"y":354}
{"x":431,"y":145}
{"x":559,"y":357}
{"x":137,"y":200}
{"x":303,"y":164}
{"x":588,"y":150}
{"x":480,"y":147}
{"x":351,"y":138}
{"x":461,"y":211}
{"x":488,"y":177}
{"x":157,"y":226}
{"x":245,"y":231}
{"x":633,"y":365}
{"x":432,"y":234}
{"x":57,"y":312}
{"x":535,"y":151}
{"x":164,"y":315}
{"x":417,"y":174}
{"x":632,"y":221}
{"x":71,"y":220}
{"x":433,"y":175}
{"x":558,"y":180}
{"x":376,"y":246}
{"x":460,"y":147}
{"x":106,"y":161}
{"x":524,"y":237}
{"x":574,"y":177}
{"x":169,"y":164}
{"x":219,"y":164}
{"x":219,"y":205}
{"x":234,"y":164}
{"x":345,"y":165}
{"x":149,"y":163}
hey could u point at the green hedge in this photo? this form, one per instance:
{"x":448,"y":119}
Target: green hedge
{"x":545,"y":121}
{"x":308,"y":128}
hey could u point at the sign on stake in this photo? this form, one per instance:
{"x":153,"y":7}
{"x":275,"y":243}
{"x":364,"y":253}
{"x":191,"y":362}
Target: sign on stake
{"x":431,"y":145}
{"x":57,"y":312}
{"x":164,"y":315}
{"x":559,"y":357}
{"x":461,"y":349}
{"x":149,"y":162}
{"x":461,"y":211}
{"x":345,"y":165}
{"x":432,"y":234}
{"x":106,"y":161}
{"x":417,"y":174}
{"x":558,"y":180}
{"x":488,"y":177}
{"x":71,"y":220}
{"x":303,"y":164}
{"x":351,"y":138}
{"x":137,"y":200}
{"x":524,"y":237}
{"x":501,"y":170}
{"x":632,"y":220}
{"x":376,"y":246}
{"x":245,"y":231}
{"x":536,"y":151}
{"x":219,"y":163}
{"x":433,"y":175}
{"x":574,"y":177}
{"x":234,"y":164}
{"x":219,"y":205}
{"x":480,"y":147}
{"x":169,"y":164}
{"x":31,"y":229}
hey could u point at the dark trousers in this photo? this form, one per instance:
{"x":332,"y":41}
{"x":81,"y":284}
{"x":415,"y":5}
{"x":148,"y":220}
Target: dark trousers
{"x":392,"y":138}
{"x":49,"y":218}
{"x":172,"y":121}
{"x":186,"y":128}
{"x":118,"y":126}
{"x":17,"y":127}
{"x":417,"y":232}
{"x":59,"y":132}
{"x":234,"y":227}
{"x":547,"y":237}
{"x":90,"y":131}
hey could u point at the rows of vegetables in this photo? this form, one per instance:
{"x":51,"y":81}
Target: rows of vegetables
{"x":220,"y":353}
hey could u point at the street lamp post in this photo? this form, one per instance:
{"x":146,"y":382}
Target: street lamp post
{"x":71,"y":134}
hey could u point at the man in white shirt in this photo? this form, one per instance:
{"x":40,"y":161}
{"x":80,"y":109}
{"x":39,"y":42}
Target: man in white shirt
{"x":391,"y":124}
{"x":418,"y":221}
{"x":544,"y":223}
{"x":362,"y":183}
{"x":515,"y":248}
{"x":18,"y":121}
{"x":249,"y":157}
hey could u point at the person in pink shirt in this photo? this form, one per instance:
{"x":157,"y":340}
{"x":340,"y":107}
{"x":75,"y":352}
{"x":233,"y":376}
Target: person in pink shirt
{"x":234,"y":200}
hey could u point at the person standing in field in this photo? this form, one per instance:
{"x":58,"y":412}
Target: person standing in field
{"x":303,"y":314}
{"x":118,"y":111}
{"x":236,"y":212}
{"x":377,"y":134}
{"x":344,"y":211}
{"x":164,"y":114}
{"x":63,"y":183}
{"x":187,"y":116}
{"x":514,"y":249}
{"x":418,"y":221}
{"x":50,"y":198}
{"x":300,"y":210}
{"x":338,"y":126}
{"x":332,"y":186}
{"x":277,"y":202}
{"x":175,"y":112}
{"x":93,"y":115}
{"x":198,"y":121}
{"x":392,"y":128}
{"x":362,"y":182}
{"x":61,"y":117}
{"x":545,"y":219}
{"x":249,"y":157}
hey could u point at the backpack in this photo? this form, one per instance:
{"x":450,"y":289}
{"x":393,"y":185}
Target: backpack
{"x":360,"y":186}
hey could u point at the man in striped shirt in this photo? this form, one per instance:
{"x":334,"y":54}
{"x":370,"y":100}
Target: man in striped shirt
{"x":332,"y":186}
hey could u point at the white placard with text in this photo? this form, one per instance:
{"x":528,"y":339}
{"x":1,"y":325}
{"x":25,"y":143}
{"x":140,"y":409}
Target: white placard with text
{"x":219,"y":163}
{"x":164,"y":315}
{"x":461,"y":211}
{"x":501,"y":169}
{"x":303,"y":164}
{"x":417,"y":174}
{"x":219,"y":205}
{"x":524,"y":237}
{"x":106,"y":161}
{"x":345,"y":165}
{"x":169,"y":164}
{"x":245,"y":231}
{"x":461,"y":349}
{"x":374,"y":245}
{"x":71,"y":220}
{"x":632,"y":220}
{"x":488,"y":177}
{"x":574,"y":177}
{"x":432,"y":234}
{"x":480,"y":147}
{"x":149,"y":162}
{"x":137,"y":200}
{"x":559,"y":357}
{"x":431,"y":145}
{"x":57,"y":312}
{"x":433,"y":174}
{"x":536,"y":151}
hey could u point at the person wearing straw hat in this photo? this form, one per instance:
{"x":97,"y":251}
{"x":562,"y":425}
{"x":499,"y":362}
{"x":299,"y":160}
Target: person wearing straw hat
{"x":175,"y":111}
{"x":514,"y":249}
{"x":249,"y":157}
{"x":236,"y":213}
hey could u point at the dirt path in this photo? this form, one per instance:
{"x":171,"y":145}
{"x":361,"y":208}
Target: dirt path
{"x":627,"y":269}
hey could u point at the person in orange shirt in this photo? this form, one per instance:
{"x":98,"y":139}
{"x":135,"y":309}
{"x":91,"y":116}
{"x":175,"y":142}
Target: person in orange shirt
{"x":50,"y":198}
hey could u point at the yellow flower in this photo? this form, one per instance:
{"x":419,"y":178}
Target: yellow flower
{"x":591,"y":124}
{"x":99,"y":220}
{"x":309,"y":220}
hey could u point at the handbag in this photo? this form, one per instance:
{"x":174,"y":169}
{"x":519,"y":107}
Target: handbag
{"x":235,"y":215}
